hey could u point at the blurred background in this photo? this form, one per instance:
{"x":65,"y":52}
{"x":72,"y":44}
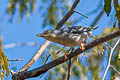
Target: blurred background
{"x":21,"y":20}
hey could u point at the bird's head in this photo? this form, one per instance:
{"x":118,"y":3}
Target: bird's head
{"x":45,"y":33}
{"x":48,"y":34}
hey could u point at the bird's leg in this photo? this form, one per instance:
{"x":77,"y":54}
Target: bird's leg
{"x":57,"y":52}
{"x":82,"y":46}
{"x":60,"y":50}
{"x":65,"y":54}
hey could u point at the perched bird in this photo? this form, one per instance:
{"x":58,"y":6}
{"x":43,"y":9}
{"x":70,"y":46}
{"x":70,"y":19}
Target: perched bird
{"x":69,"y":36}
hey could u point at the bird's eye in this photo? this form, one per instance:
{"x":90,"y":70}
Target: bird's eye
{"x":47,"y":32}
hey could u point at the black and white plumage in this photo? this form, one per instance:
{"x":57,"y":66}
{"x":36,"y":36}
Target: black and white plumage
{"x":69,"y":36}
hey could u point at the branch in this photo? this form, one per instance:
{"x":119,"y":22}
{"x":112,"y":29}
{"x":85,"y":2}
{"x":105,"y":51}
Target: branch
{"x":108,"y":66}
{"x":42,"y":69}
{"x":15,"y":59}
{"x":44,"y":46}
{"x":67,"y":16}
{"x":115,"y":70}
{"x":69,"y":70}
{"x":69,"y":66}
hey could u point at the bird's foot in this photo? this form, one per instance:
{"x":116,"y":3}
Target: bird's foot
{"x":65,"y":55}
{"x":82,"y":46}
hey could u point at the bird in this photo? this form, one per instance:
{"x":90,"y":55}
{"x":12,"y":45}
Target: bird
{"x":69,"y":36}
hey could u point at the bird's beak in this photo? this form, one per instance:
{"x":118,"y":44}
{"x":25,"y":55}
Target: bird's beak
{"x":40,"y":35}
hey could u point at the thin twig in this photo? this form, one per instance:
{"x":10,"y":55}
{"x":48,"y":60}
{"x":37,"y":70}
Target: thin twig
{"x":69,"y":69}
{"x":47,"y":59}
{"x":15,"y":59}
{"x":98,"y":17}
{"x":45,"y":63}
{"x":115,"y":70}
{"x":42,"y":69}
{"x":81,"y":14}
{"x":68,"y":15}
{"x":112,"y":49}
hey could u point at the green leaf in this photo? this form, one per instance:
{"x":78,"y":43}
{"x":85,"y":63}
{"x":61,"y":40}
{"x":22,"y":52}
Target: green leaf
{"x":2,"y":75}
{"x":4,"y":62}
{"x":0,"y":42}
{"x":52,"y":15}
{"x":117,"y":9}
{"x":107,"y":6}
{"x":25,"y":7}
{"x":58,"y":48}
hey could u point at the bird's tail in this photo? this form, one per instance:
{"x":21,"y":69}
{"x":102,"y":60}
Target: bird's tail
{"x":95,"y":27}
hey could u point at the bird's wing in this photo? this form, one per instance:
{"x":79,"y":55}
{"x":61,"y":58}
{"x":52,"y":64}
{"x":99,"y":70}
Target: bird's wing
{"x":74,"y":30}
{"x":79,"y":29}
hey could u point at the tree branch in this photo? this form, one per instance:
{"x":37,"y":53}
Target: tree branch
{"x":67,"y":16}
{"x":15,"y":59}
{"x":108,"y":66}
{"x":69,"y":70}
{"x":42,"y":69}
{"x":115,"y":70}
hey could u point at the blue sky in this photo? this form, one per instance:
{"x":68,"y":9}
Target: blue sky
{"x":26,"y":31}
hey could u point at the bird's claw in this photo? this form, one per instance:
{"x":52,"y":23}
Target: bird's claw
{"x":82,"y":46}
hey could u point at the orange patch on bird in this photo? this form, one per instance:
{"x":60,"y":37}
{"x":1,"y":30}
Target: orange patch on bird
{"x":47,"y":32}
{"x":82,"y":46}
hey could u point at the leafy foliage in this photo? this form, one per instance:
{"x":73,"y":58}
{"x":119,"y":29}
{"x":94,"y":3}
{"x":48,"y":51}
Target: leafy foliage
{"x":23,"y":6}
{"x":107,"y":6}
{"x":116,"y":61}
{"x":4,"y":62}
{"x":0,"y":42}
{"x":26,"y":7}
{"x":92,"y":60}
{"x":52,"y":16}
{"x":117,"y":9}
